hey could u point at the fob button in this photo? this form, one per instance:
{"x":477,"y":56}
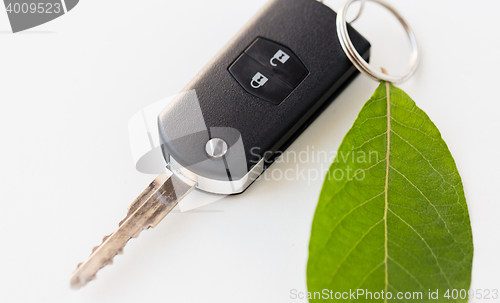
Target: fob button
{"x":259,"y":81}
{"x":279,"y":59}
{"x":281,"y":56}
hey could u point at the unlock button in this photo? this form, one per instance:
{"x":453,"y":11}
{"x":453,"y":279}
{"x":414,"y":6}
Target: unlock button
{"x":281,"y":56}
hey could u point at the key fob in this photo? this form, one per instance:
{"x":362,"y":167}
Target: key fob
{"x":257,"y":95}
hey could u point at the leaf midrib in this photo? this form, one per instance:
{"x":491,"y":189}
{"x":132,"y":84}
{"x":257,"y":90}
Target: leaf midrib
{"x":386,"y":193}
{"x":386,"y":187}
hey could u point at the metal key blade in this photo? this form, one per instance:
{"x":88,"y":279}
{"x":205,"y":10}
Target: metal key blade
{"x":146,"y":211}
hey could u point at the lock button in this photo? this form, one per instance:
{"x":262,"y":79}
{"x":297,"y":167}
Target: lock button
{"x":259,"y":81}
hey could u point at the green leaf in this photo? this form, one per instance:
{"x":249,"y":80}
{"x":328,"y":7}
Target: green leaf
{"x":392,"y":214}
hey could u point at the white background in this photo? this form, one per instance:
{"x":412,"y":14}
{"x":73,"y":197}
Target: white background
{"x":69,"y":87}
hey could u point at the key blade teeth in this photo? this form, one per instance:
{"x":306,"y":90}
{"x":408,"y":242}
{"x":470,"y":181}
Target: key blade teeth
{"x":146,"y":211}
{"x":97,"y":246}
{"x":137,"y":234}
{"x":108,"y":262}
{"x":78,"y":280}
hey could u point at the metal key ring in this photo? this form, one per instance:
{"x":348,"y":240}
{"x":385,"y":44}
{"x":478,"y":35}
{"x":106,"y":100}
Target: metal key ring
{"x":359,"y":62}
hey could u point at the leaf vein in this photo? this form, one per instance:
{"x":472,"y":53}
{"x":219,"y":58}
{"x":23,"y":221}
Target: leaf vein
{"x":434,"y":206}
{"x":425,"y":158}
{"x":367,"y":276}
{"x":353,"y":248}
{"x":353,"y":177}
{"x":433,"y":168}
{"x":369,"y":140}
{"x":414,"y":128}
{"x":347,"y":215}
{"x":408,"y":272}
{"x":427,"y":244}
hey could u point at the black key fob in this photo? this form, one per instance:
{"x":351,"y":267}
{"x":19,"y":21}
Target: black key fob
{"x":257,"y":95}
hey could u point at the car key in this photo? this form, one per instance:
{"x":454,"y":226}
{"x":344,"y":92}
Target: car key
{"x":240,"y":112}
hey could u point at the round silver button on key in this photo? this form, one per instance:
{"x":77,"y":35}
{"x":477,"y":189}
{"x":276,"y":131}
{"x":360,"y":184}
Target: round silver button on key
{"x":216,"y":147}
